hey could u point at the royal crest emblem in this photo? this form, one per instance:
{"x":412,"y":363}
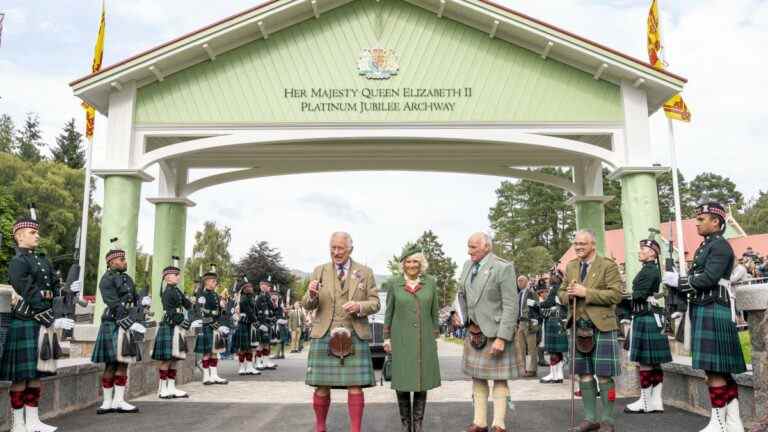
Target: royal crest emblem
{"x":378,"y":63}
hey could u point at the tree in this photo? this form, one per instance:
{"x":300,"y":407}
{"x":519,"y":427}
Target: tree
{"x":69,"y":148}
{"x":754,"y":219}
{"x":29,"y":139}
{"x":667,"y":197}
{"x":298,"y":289}
{"x":533,"y":261}
{"x":211,"y":247}
{"x":441,"y":267}
{"x":263,"y":261}
{"x":707,"y":187}
{"x":613,"y":207}
{"x":7,"y":131}
{"x":529,"y":214}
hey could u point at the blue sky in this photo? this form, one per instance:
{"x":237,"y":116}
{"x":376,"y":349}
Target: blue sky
{"x":718,"y":45}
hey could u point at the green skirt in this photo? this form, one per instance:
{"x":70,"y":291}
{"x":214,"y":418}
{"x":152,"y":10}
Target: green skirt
{"x":163,"y":349}
{"x":555,"y":337}
{"x":105,"y":350}
{"x":204,"y":341}
{"x":648,"y":345}
{"x":715,"y":345}
{"x":19,"y":360}
{"x":324,"y":370}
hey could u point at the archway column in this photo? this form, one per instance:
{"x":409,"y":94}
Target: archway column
{"x":590,"y":214}
{"x":169,"y":241}
{"x":122,"y":192}
{"x":639,"y":211}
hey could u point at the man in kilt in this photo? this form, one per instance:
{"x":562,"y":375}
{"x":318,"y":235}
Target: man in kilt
{"x":170,"y":342}
{"x":488,"y":306}
{"x":31,"y":345}
{"x":213,"y":336}
{"x":555,"y":337}
{"x":119,"y":333}
{"x":244,"y":341}
{"x":715,"y":346}
{"x":595,"y":283}
{"x":267,"y":318}
{"x":342,"y":293}
{"x":282,"y":334}
{"x":648,"y":345}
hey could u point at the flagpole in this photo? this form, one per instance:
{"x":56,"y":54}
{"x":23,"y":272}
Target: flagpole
{"x":676,"y":193}
{"x":84,"y":216}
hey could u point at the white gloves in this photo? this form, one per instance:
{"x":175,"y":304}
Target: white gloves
{"x":282,"y":322}
{"x":201,"y":300}
{"x":625,"y":321}
{"x":138,"y":328}
{"x":224,"y":330}
{"x":652,"y":301}
{"x":534,"y":322}
{"x":75,"y":287}
{"x":196,"y":324}
{"x":387,"y":346}
{"x":531,"y":302}
{"x":263,"y":328}
{"x":63,"y":323}
{"x":670,"y":278}
{"x":146,"y":301}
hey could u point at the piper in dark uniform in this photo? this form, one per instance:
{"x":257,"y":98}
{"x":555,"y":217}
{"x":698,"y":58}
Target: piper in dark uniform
{"x":31,"y":345}
{"x":648,"y":345}
{"x":243,"y":343}
{"x":266,"y":316}
{"x":715,"y":346}
{"x":554,"y":337}
{"x":170,"y":342}
{"x":282,"y":334}
{"x":119,"y":332}
{"x":212,"y":338}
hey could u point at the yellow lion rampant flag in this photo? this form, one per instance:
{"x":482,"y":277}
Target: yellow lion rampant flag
{"x":675,"y":108}
{"x":98,"y":55}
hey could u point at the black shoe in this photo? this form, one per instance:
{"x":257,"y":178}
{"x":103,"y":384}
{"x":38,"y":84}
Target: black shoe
{"x":103,"y":411}
{"x":419,"y":406}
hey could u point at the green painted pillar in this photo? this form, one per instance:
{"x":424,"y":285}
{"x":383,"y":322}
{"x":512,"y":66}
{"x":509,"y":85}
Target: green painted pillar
{"x":170,"y":235}
{"x":120,"y":218}
{"x":639,"y":212}
{"x":590,"y":214}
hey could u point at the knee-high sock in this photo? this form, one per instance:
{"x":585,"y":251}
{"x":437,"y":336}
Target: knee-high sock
{"x":500,"y":394}
{"x":480,"y":402}
{"x":608,"y":397}
{"x":321,"y":404}
{"x":355,"y":405}
{"x":589,"y":399}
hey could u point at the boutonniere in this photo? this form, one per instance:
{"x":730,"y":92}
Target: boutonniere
{"x":357,"y":275}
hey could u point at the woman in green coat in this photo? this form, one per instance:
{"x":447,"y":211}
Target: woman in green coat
{"x":410,"y":327}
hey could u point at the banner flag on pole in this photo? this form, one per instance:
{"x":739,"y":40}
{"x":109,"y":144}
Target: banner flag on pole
{"x":98,"y":55}
{"x":2,"y":18}
{"x":675,"y":108}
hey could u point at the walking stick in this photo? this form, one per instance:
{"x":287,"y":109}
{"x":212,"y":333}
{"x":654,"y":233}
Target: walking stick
{"x":573,"y":364}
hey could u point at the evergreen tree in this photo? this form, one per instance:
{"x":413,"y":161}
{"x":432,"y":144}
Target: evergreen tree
{"x":707,"y":187}
{"x":211,"y":247}
{"x":69,"y":148}
{"x":29,"y":139}
{"x":263,"y":261}
{"x":7,"y":130}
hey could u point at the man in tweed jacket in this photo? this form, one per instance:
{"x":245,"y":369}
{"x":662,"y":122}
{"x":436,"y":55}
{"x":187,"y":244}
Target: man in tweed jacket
{"x":488,"y":300}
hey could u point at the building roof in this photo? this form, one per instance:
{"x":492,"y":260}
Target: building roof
{"x":273,"y":15}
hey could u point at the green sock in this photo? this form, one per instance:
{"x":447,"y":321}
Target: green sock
{"x":608,"y":396}
{"x":589,"y":399}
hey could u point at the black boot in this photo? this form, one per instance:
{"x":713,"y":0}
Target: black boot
{"x":404,"y":405}
{"x":419,"y":406}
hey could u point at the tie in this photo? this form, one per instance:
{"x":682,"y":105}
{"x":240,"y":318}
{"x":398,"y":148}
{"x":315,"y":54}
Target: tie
{"x":341,"y":272}
{"x":583,"y":273}
{"x":475,"y":269}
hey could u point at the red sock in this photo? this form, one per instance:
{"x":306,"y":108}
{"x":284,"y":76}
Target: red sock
{"x":646,"y":379}
{"x":163,"y":374}
{"x":121,"y":380}
{"x":32,"y":396}
{"x":732,"y":392}
{"x":355,"y":404}
{"x":718,"y":396}
{"x":266,"y":351}
{"x":555,"y":358}
{"x":248,"y":356}
{"x":212,"y":362}
{"x":321,"y":404}
{"x":107,"y":382}
{"x":657,"y":377}
{"x":241,"y":357}
{"x":17,"y":399}
{"x":172,"y":374}
{"x":206,"y":363}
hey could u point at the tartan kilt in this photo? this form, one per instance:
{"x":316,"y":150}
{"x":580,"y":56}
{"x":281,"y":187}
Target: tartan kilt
{"x":482,"y":365}
{"x":603,"y":361}
{"x":648,"y":345}
{"x":715,"y":344}
{"x":555,"y":337}
{"x":324,"y":370}
{"x":19,"y":359}
{"x":105,"y":350}
{"x":163,"y":350}
{"x":204,"y":341}
{"x":241,"y":340}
